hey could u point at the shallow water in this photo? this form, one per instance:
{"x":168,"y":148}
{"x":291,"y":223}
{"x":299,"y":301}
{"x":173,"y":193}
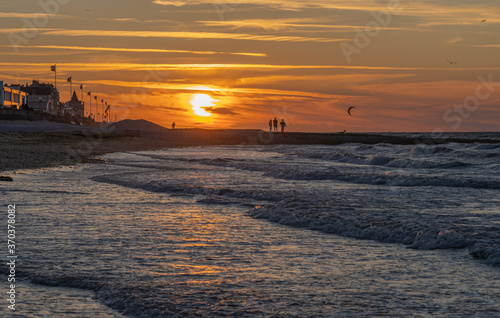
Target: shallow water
{"x":55,"y":302}
{"x":174,"y":233}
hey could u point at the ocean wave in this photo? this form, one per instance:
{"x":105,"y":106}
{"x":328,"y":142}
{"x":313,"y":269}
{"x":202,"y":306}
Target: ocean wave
{"x":393,"y":178}
{"x":424,"y":164}
{"x":124,"y":299}
{"x":212,"y":194}
{"x":488,"y":251}
{"x":430,"y":150}
{"x":361,"y":175}
{"x":410,"y":232}
{"x":486,"y":146}
{"x":434,"y":181}
{"x":305,"y":209}
{"x":378,"y":160}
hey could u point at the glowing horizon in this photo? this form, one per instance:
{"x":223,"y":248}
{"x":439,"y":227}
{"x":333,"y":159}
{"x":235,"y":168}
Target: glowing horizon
{"x":404,"y":65}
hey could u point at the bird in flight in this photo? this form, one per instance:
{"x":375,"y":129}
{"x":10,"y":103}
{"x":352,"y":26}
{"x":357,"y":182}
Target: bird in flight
{"x":349,"y":110}
{"x":451,"y":62}
{"x":484,"y":20}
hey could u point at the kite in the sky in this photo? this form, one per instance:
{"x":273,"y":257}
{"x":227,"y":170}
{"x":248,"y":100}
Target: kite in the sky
{"x":349,"y":110}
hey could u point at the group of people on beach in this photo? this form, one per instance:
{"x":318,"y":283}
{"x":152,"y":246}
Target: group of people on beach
{"x":274,"y":123}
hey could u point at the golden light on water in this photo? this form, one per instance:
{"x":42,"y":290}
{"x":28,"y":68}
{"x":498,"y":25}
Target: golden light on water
{"x":198,"y":101}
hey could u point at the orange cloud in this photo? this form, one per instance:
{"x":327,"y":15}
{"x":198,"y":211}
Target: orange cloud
{"x":190,"y":35}
{"x":110,"y":49}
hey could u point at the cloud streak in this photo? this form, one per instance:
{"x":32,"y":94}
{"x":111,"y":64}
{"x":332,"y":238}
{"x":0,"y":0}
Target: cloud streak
{"x":15,"y":15}
{"x":289,"y":24}
{"x":134,"y":50}
{"x":454,"y":40}
{"x":190,"y":35}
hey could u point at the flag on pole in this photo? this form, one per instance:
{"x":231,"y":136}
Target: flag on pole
{"x":53,"y":69}
{"x":95,"y":97}
{"x":88,"y":93}
{"x":102,"y":100}
{"x":81,"y":86}
{"x":69,"y":79}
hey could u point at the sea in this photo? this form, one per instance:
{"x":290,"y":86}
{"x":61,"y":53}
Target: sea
{"x":351,"y":230}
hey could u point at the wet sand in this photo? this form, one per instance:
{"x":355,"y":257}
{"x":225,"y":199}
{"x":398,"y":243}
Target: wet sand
{"x":28,"y":150}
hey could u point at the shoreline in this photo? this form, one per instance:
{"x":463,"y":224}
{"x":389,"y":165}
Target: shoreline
{"x":32,"y":145}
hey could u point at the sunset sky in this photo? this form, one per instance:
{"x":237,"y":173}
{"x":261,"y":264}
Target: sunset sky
{"x":405,"y":65}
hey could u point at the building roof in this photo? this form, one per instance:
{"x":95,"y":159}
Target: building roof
{"x":37,"y":90}
{"x":74,"y":98}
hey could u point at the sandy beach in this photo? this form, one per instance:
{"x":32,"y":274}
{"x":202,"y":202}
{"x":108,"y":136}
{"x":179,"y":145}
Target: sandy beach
{"x":27,"y":145}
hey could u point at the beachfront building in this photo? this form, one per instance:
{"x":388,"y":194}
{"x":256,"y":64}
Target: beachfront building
{"x":75,"y":107}
{"x":12,"y":96}
{"x":42,"y":97}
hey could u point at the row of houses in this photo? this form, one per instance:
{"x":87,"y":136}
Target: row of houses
{"x":40,"y":97}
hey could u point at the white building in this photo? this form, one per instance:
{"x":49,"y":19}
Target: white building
{"x":42,"y":97}
{"x":12,"y":96}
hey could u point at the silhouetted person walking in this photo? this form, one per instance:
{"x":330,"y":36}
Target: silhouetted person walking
{"x":283,"y":125}
{"x":275,"y":122}
{"x":270,"y":125}
{"x":173,"y":125}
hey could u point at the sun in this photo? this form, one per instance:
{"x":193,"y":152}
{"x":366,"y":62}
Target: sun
{"x":198,"y":101}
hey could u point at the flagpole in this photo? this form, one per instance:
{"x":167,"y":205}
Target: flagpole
{"x":90,"y":111}
{"x":53,"y":68}
{"x":96,"y":105}
{"x":70,"y":80}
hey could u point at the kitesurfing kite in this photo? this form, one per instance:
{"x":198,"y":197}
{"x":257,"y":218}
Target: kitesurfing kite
{"x":349,"y":110}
